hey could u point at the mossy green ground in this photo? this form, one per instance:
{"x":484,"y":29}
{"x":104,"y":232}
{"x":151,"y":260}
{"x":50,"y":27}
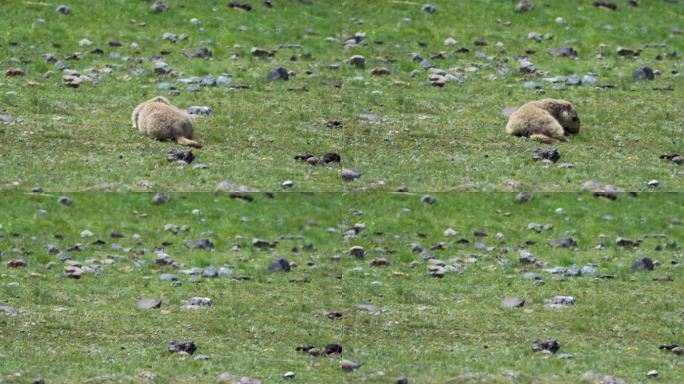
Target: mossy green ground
{"x":431,"y":330}
{"x":428,"y":138}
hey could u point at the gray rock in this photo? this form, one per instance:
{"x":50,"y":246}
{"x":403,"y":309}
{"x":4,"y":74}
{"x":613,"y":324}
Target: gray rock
{"x":349,"y":366}
{"x":168,"y":277}
{"x":563,"y":300}
{"x":149,"y":303}
{"x":6,"y":119}
{"x":643,"y":264}
{"x":643,"y":73}
{"x":64,"y":200}
{"x":429,"y":8}
{"x":512,"y":302}
{"x":182,"y":346}
{"x":199,"y":110}
{"x":574,"y":80}
{"x":542,"y":345}
{"x":357,"y":61}
{"x":63,"y":9}
{"x":160,"y":198}
{"x":158,"y":7}
{"x":588,"y":270}
{"x":653,"y":184}
{"x":565,"y":356}
{"x":428,"y":199}
{"x":531,"y":276}
{"x":523,"y":197}
{"x":525,"y":257}
{"x":573,"y":271}
{"x":232,"y":378}
{"x":524,"y":6}
{"x":279,"y":73}
{"x":208,"y":81}
{"x":289,"y":375}
{"x":531,"y":85}
{"x":279,"y":265}
{"x":589,"y":80}
{"x":287,"y":184}
{"x":370,"y":308}
{"x":201,"y":52}
{"x":349,"y":175}
{"x":357,"y":251}
{"x":200,"y":302}
{"x":199,"y":244}
{"x":563,"y":52}
{"x":210,"y":272}
{"x":7,"y":310}
{"x":566,"y":242}
{"x":173,"y":228}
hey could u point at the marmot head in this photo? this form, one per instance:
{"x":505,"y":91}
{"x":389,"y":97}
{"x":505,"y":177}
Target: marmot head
{"x":565,"y":113}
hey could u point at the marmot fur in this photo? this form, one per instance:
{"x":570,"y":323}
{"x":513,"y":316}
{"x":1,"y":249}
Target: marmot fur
{"x":158,"y":118}
{"x":546,"y":120}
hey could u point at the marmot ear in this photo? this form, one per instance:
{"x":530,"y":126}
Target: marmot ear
{"x":161,"y":99}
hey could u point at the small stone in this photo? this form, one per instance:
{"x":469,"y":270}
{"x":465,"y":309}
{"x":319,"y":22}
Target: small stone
{"x":378,"y":262}
{"x":358,"y":61}
{"x":7,"y":310}
{"x":63,"y":9}
{"x":531,"y":276}
{"x":200,"y":302}
{"x":333,"y":349}
{"x":429,"y":8}
{"x":279,"y":265}
{"x":643,"y":264}
{"x":563,"y":300}
{"x":565,"y":356}
{"x":149,"y":303}
{"x":289,"y":375}
{"x":523,"y":197}
{"x":357,"y":251}
{"x":551,"y":155}
{"x":16,"y":263}
{"x":331,"y":157}
{"x":652,"y":374}
{"x":402,"y":380}
{"x":200,"y":53}
{"x":188,"y":347}
{"x":563,"y":52}
{"x":64,"y":200}
{"x":168,"y":277}
{"x":349,"y":175}
{"x":643,"y":73}
{"x":287,"y":184}
{"x":428,"y":199}
{"x":524,"y":6}
{"x":512,"y":302}
{"x":566,"y":242}
{"x":158,"y":7}
{"x":653,"y":184}
{"x":573,"y":271}
{"x":199,"y":110}
{"x":542,"y":345}
{"x":279,"y":73}
{"x":232,"y":378}
{"x":349,"y":366}
{"x":199,"y":244}
{"x":160,"y":198}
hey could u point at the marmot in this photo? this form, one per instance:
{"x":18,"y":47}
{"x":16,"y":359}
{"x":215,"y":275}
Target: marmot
{"x":546,"y":120}
{"x":158,"y":118}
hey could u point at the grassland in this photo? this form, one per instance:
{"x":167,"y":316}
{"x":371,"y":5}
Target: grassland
{"x":425,"y":138}
{"x":431,"y":330}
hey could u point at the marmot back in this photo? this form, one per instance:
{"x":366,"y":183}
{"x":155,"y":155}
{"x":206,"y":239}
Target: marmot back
{"x":546,"y":120}
{"x":161,"y":120}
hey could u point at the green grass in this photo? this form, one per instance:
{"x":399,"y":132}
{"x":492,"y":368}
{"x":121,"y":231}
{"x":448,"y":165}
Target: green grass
{"x":428,"y":139}
{"x":431,"y":330}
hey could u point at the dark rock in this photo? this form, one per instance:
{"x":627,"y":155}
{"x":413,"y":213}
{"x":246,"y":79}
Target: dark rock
{"x":542,"y":345}
{"x":188,"y":347}
{"x":605,"y":4}
{"x":259,"y":243}
{"x":149,"y":303}
{"x":673,"y":157}
{"x":333,"y":349}
{"x":524,"y":6}
{"x":173,"y":155}
{"x":200,"y":302}
{"x":333,"y":124}
{"x":349,"y":175}
{"x":279,"y":73}
{"x":63,"y":9}
{"x":566,"y":242}
{"x":429,"y":8}
{"x":563,"y":52}
{"x":279,"y":265}
{"x":551,"y":155}
{"x":258,"y":52}
{"x":199,"y":244}
{"x":625,"y":52}
{"x":357,"y":251}
{"x":379,"y":71}
{"x":512,"y":302}
{"x":198,"y":52}
{"x":158,"y":7}
{"x":160,"y":198}
{"x":643,"y":73}
{"x":643,"y":264}
{"x":622,"y":242}
{"x":349,"y":366}
{"x":402,"y":380}
{"x":237,"y":5}
{"x":523,"y":197}
{"x":428,"y":199}
{"x":64,"y":200}
{"x":14,"y":72}
{"x":357,"y":61}
{"x":331,"y":157}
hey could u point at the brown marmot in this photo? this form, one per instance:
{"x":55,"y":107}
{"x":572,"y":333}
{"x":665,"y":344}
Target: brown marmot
{"x":547,"y":120}
{"x":158,"y":118}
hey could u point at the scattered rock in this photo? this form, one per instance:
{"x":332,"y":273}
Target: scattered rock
{"x":512,"y":302}
{"x":7,"y":310}
{"x":199,"y":244}
{"x":232,"y":378}
{"x":149,"y":303}
{"x":523,"y":197}
{"x":653,"y":183}
{"x":551,"y":155}
{"x":349,"y":175}
{"x":428,"y":199}
{"x":606,"y":5}
{"x":358,"y":61}
{"x":429,"y":8}
{"x":566,"y":242}
{"x":160,"y":198}
{"x":643,"y":73}
{"x":158,"y":7}
{"x":548,"y":345}
{"x":349,"y":366}
{"x":643,"y":264}
{"x":563,"y":52}
{"x":16,"y":263}
{"x":174,"y":155}
{"x":14,"y":72}
{"x":199,"y":110}
{"x":63,"y":9}
{"x":279,"y":73}
{"x":524,"y":6}
{"x":357,"y":251}
{"x":201,"y":53}
{"x":379,"y":71}
{"x":200,"y":302}
{"x":279,"y":265}
{"x":176,"y":346}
